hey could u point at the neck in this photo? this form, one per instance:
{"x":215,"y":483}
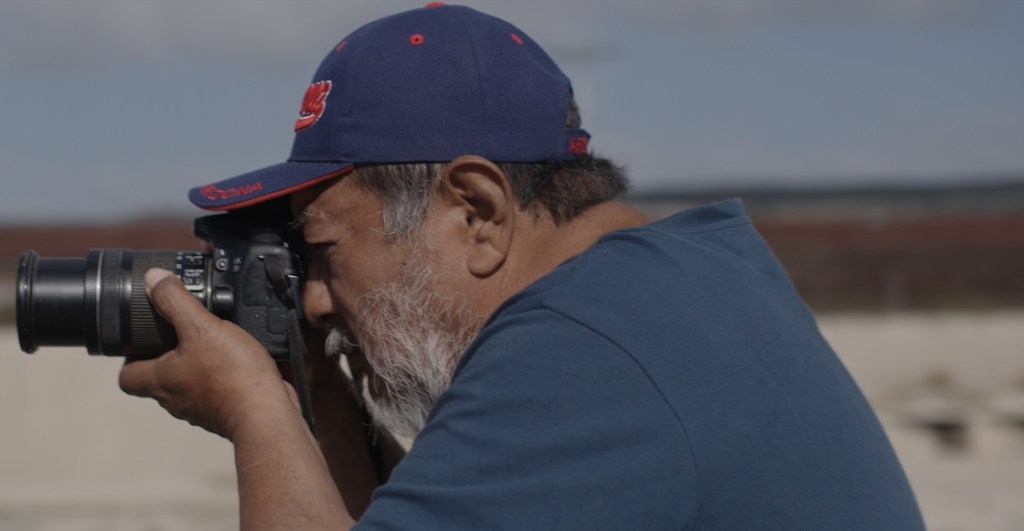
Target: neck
{"x":560,"y":243}
{"x":544,"y":245}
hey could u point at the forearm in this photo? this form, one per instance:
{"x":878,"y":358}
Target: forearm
{"x":358,"y":463}
{"x":283,"y":480}
{"x":221,"y":378}
{"x":341,"y":430}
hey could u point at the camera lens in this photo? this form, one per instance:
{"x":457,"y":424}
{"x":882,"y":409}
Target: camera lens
{"x":98,"y":302}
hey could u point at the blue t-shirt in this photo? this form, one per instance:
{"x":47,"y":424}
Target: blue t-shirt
{"x":668,"y":378}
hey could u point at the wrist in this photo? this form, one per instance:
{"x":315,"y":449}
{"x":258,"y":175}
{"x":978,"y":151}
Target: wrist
{"x":271,"y":409}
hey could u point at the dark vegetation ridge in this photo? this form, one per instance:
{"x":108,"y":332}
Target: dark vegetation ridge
{"x":861,"y":249}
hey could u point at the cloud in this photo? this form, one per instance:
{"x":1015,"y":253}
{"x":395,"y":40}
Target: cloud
{"x":64,"y":34}
{"x":41,"y":34}
{"x":46,"y":34}
{"x":615,"y":52}
{"x":717,"y":16}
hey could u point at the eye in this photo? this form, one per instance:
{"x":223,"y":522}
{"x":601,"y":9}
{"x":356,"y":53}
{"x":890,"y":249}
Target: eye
{"x":318,"y":250}
{"x":308,"y":252}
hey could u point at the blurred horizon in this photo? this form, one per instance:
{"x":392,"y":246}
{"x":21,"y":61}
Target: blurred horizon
{"x":874,"y":250}
{"x":113,"y":109}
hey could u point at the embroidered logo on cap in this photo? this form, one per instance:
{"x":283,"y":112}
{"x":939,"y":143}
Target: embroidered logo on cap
{"x":213,"y":193}
{"x":313,"y":104}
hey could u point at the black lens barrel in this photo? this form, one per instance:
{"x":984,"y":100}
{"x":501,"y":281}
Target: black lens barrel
{"x":50,"y":302}
{"x":98,"y":302}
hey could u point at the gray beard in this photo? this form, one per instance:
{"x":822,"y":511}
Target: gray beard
{"x":412,"y":338}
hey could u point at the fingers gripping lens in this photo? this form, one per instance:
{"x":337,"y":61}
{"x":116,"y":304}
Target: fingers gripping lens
{"x":98,"y":301}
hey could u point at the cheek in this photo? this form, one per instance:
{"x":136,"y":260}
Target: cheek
{"x":352,"y":279}
{"x":445,"y":254}
{"x":363,"y":265}
{"x":445,"y":276}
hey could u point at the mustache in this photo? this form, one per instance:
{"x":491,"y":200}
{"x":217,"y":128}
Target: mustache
{"x":340,"y":342}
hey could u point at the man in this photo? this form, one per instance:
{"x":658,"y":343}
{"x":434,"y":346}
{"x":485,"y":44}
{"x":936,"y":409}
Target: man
{"x":562,"y":362}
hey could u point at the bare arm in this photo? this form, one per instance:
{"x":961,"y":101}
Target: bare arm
{"x":223,"y":380}
{"x":358,"y":461}
{"x":283,"y":481}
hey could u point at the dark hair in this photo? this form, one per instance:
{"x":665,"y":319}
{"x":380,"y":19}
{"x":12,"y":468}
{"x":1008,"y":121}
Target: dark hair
{"x":561,"y":189}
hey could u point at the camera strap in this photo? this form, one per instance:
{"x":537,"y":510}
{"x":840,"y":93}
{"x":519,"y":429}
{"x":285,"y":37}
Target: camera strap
{"x":297,"y":360}
{"x":288,"y":290}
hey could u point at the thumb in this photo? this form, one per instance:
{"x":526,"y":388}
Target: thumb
{"x":173,"y":301}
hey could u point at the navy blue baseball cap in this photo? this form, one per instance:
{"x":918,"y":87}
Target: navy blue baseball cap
{"x":426,"y":85}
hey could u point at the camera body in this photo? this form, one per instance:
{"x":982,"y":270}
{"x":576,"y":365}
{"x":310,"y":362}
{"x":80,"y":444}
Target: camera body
{"x":251,"y":276}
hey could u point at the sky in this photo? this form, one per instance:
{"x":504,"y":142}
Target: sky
{"x":113,"y":109}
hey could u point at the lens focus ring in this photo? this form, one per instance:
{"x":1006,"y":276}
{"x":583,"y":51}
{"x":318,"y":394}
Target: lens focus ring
{"x":150,"y":334}
{"x":111,"y":290}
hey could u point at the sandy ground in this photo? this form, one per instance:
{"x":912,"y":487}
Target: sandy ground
{"x":76,"y":454}
{"x":980,"y":359}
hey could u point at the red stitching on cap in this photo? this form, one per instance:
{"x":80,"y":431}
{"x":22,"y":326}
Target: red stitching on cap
{"x":434,"y":4}
{"x":213,"y":193}
{"x":340,"y":46}
{"x":278,"y":193}
{"x":313,"y":104}
{"x":416,"y":39}
{"x":516,"y":38}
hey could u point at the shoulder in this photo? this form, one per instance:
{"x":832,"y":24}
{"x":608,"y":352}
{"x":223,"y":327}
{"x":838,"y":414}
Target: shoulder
{"x":669,"y":271}
{"x":552,"y":416}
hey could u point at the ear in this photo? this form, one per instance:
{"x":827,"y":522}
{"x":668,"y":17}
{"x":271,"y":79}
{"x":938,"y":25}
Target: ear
{"x":479,"y":193}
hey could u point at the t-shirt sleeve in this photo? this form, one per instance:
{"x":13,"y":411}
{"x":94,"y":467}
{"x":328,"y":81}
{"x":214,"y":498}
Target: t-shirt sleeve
{"x":548,"y":425}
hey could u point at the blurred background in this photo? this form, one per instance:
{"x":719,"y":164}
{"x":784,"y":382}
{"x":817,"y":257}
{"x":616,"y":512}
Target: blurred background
{"x":878,"y":145}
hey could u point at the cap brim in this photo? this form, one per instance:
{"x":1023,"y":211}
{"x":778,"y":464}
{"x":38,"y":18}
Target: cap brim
{"x":264,"y":184}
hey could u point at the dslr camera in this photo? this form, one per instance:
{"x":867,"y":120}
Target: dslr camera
{"x":251,"y":276}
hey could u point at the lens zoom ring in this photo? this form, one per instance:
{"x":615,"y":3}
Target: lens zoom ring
{"x":110,"y":301}
{"x":149,"y":333}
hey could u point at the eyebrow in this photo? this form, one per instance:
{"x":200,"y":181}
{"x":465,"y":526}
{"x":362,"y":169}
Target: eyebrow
{"x":306,"y":216}
{"x":299,"y":221}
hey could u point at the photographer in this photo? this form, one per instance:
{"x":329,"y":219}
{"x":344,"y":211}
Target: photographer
{"x":562,"y":362}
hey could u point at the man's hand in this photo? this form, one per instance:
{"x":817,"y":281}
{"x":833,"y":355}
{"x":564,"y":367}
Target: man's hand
{"x":218,"y":376}
{"x":357,"y":465}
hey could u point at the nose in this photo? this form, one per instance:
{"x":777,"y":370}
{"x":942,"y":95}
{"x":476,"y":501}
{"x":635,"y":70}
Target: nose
{"x":316,"y":300}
